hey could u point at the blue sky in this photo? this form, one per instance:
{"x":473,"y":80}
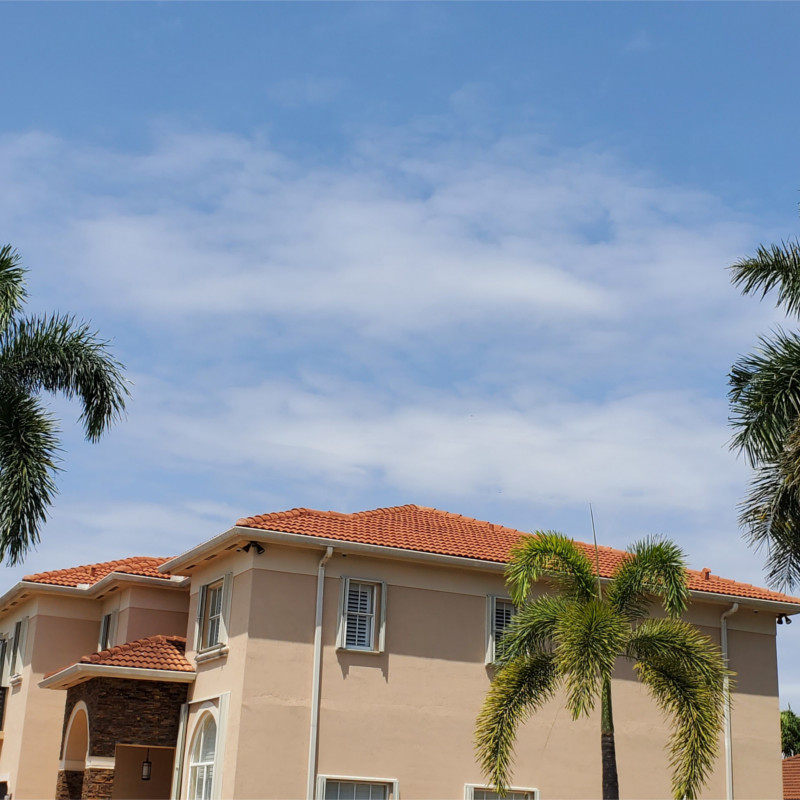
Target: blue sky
{"x":469,"y":256}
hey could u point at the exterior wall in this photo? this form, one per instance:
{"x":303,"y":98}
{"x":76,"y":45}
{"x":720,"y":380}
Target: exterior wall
{"x":128,"y":783}
{"x":148,"y":611}
{"x":60,"y":630}
{"x":219,"y":683}
{"x":69,"y":785}
{"x":132,"y":712}
{"x":409,"y":713}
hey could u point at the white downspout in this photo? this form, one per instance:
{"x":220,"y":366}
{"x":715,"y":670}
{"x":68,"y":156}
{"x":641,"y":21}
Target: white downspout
{"x":315,"y":686}
{"x":723,"y":626}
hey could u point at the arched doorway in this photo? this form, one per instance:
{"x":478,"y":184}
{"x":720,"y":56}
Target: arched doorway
{"x":73,"y":757}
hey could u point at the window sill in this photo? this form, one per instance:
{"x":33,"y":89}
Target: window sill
{"x":15,"y":680}
{"x":358,"y":650}
{"x":211,"y":654}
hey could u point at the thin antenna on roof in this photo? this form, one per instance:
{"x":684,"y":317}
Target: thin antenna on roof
{"x":596,"y":553}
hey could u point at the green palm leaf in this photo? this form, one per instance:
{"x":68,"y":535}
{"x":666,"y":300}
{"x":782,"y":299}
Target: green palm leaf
{"x":653,"y":567}
{"x":520,"y":687}
{"x":551,"y":554}
{"x":776,"y":266}
{"x":43,"y":354}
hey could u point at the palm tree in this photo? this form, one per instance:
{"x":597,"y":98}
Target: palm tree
{"x":43,"y":354}
{"x":571,"y":640}
{"x":765,"y":414}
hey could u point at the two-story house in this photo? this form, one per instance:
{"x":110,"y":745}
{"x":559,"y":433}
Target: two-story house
{"x":333,"y":656}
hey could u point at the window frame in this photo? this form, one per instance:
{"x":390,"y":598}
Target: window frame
{"x":218,"y":648}
{"x":378,"y":615}
{"x":491,"y":631}
{"x":200,"y":728}
{"x":392,"y":783}
{"x":469,"y":789}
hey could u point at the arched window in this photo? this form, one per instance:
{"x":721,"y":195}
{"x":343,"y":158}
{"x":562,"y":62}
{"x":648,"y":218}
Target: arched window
{"x":201,"y":764}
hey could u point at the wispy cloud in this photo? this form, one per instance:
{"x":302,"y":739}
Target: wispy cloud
{"x":460,"y":320}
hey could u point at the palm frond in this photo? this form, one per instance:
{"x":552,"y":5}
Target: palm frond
{"x":589,"y":637}
{"x":551,"y":554}
{"x":652,"y":566}
{"x":685,"y":673}
{"x":12,"y":285}
{"x":532,"y":629}
{"x":765,"y":396}
{"x":770,"y":516}
{"x":520,"y":687}
{"x":776,"y":266}
{"x":28,"y":447}
{"x":56,"y":354}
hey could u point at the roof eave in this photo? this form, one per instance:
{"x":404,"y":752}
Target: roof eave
{"x":34,"y":587}
{"x":79,"y":672}
{"x":191,"y":558}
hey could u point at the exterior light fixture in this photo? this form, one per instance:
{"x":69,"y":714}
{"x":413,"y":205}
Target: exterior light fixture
{"x":147,"y":767}
{"x":784,"y":618}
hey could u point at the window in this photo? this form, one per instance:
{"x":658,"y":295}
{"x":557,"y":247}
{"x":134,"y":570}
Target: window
{"x":108,"y":626}
{"x":330,"y":788}
{"x":213,"y":609}
{"x":201,"y":763}
{"x":500,"y":610}
{"x":18,"y":646}
{"x":212,"y":614}
{"x":362,"y":615}
{"x":483,"y":793}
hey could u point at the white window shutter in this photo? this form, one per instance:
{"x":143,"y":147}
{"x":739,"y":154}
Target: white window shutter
{"x":225,"y":620}
{"x":112,"y":628}
{"x":341,"y":626}
{"x":198,"y":623}
{"x":489,"y":629}
{"x":382,"y":622}
{"x":23,"y":640}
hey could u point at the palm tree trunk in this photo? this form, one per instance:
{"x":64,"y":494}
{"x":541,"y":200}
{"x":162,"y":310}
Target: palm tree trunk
{"x":608,"y":748}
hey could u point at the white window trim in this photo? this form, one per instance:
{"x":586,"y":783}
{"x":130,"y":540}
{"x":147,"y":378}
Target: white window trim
{"x":469,"y":788}
{"x":220,"y":648}
{"x":218,"y":709}
{"x":392,"y":783}
{"x":491,"y":606}
{"x":379,"y":635}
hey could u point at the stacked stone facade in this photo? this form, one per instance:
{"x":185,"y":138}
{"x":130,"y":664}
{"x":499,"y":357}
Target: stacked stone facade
{"x":120,"y":711}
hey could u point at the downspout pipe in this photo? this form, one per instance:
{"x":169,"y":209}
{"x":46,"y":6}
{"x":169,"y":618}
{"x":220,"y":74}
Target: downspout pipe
{"x":723,"y":627}
{"x":313,"y":733}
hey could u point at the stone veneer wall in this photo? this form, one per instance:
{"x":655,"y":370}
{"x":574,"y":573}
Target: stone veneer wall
{"x":123,"y":711}
{"x":98,"y":784}
{"x":70,"y":785}
{"x":120,"y":711}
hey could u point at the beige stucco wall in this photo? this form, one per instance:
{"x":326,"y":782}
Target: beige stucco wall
{"x":61,"y":629}
{"x":409,"y":713}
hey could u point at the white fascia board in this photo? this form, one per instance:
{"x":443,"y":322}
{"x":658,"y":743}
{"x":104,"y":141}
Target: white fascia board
{"x":202,"y":551}
{"x":778,"y":606}
{"x":92,"y":590}
{"x":79,"y":672}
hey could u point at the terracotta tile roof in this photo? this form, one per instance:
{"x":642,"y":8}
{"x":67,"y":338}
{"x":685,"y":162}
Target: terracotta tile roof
{"x":92,"y":573}
{"x":430,"y":530}
{"x":791,"y":778}
{"x":154,"y":652}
